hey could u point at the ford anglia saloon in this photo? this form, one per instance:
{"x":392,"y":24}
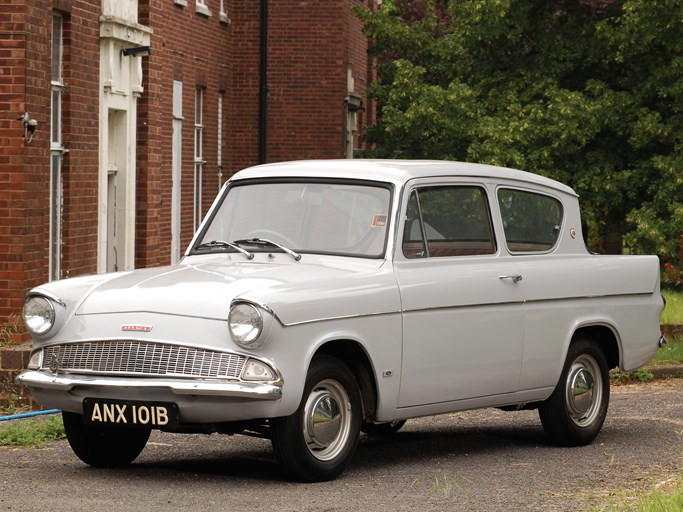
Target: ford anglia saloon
{"x":322,"y":299}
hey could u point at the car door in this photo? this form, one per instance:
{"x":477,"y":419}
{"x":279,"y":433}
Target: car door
{"x":533,"y":221}
{"x":462,"y":310}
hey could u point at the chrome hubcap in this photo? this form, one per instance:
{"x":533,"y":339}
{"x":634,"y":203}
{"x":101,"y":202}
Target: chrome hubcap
{"x":327,"y":420}
{"x":584,"y":390}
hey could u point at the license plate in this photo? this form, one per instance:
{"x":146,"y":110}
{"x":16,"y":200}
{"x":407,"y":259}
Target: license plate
{"x":129,"y":413}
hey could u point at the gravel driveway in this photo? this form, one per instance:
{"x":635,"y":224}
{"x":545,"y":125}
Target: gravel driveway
{"x":476,"y":461}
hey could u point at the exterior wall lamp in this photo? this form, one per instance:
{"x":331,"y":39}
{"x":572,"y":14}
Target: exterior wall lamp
{"x":29,"y":126}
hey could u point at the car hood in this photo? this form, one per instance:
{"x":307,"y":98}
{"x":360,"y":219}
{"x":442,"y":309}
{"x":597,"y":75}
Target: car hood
{"x":205,"y":286}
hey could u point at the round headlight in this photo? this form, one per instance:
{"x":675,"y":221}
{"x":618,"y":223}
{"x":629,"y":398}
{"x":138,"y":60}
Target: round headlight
{"x":39,"y":315}
{"x":246,"y":323}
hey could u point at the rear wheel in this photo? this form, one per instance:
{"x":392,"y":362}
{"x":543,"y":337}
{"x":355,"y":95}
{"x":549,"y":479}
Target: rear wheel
{"x":103,"y":446}
{"x":318,"y":441}
{"x":573,"y":415}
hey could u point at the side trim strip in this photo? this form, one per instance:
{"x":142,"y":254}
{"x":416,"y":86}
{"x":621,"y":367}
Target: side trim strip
{"x":463,"y":306}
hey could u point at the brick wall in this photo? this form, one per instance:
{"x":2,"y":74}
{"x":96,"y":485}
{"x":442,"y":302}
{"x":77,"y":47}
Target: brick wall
{"x":12,"y":150}
{"x":310,"y":50}
{"x":306,"y":79}
{"x":24,"y":41}
{"x":194,"y":49}
{"x":80,"y":167}
{"x":362,"y":66}
{"x":311,"y":47}
{"x":12,"y":362}
{"x":25,"y":30}
{"x":243,"y":82}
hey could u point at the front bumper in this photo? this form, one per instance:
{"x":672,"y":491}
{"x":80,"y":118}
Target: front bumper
{"x":198,"y":401}
{"x":66,"y":383}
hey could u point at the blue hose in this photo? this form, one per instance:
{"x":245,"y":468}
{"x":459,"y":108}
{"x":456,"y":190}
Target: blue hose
{"x":29,"y":414}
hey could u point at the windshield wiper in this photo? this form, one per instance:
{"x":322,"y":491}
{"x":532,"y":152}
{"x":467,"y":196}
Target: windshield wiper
{"x":265,"y":241}
{"x":223,"y":243}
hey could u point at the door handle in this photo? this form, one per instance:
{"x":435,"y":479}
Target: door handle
{"x":515,"y":278}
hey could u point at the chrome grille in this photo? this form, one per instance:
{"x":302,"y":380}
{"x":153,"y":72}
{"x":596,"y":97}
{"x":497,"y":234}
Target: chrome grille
{"x":142,"y":358}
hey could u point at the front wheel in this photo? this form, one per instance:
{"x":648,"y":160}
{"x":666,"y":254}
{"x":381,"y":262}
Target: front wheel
{"x":318,"y":441}
{"x":573,"y":415}
{"x":103,"y":446}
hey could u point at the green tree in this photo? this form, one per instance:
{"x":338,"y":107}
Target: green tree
{"x":589,"y":92}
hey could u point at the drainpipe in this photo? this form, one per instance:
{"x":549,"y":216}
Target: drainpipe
{"x":263,"y":83}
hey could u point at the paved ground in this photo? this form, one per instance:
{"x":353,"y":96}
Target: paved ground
{"x":475,"y":461}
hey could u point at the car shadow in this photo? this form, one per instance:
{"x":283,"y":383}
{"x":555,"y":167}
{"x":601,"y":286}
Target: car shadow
{"x":376,"y":452}
{"x":238,"y":457}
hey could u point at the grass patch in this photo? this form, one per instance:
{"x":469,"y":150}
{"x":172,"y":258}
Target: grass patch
{"x":673,"y":312}
{"x":671,"y":354}
{"x":639,"y":375}
{"x":32,"y":432}
{"x":667,"y":498}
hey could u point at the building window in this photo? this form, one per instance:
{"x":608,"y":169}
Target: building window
{"x":56,"y":148}
{"x":202,"y":8}
{"x":176,"y":169}
{"x":223,"y":15}
{"x":198,"y":156}
{"x":219,"y":131}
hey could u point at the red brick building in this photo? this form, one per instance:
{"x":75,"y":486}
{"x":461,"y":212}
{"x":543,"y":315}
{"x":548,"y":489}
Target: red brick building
{"x":122,"y":118}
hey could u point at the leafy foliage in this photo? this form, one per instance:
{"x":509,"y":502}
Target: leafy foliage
{"x":673,"y":275}
{"x":589,"y":92}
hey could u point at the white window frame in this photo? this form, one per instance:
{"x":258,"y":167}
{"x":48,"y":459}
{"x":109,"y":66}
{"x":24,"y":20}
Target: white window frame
{"x":198,"y":155}
{"x":176,"y":169}
{"x":223,"y":14}
{"x":219,"y":137}
{"x":202,"y":8}
{"x":57,"y":149}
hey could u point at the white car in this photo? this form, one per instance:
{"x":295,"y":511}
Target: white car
{"x":322,"y":299}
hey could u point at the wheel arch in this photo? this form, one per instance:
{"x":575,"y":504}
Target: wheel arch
{"x":356,"y":358}
{"x":605,"y":337}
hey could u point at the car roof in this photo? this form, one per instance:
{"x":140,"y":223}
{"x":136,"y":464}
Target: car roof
{"x":393,"y":171}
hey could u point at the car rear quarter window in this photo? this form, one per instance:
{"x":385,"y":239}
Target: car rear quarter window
{"x":531,"y":221}
{"x":448,"y":221}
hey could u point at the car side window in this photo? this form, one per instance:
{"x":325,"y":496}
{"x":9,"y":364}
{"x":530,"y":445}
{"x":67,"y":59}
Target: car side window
{"x":447,"y":221}
{"x":532,"y":222}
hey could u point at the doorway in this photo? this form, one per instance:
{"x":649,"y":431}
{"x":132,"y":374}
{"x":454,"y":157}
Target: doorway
{"x":118,"y":203}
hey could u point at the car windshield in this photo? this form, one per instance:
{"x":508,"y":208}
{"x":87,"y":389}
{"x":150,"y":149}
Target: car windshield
{"x":345,"y":218}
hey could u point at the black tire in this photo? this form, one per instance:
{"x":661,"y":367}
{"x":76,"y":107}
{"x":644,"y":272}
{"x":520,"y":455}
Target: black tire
{"x":102,"y":446}
{"x":573,"y":415}
{"x":382,"y":429}
{"x":318,"y":441}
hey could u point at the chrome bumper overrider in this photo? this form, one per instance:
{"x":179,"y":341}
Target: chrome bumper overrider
{"x":249,"y":390}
